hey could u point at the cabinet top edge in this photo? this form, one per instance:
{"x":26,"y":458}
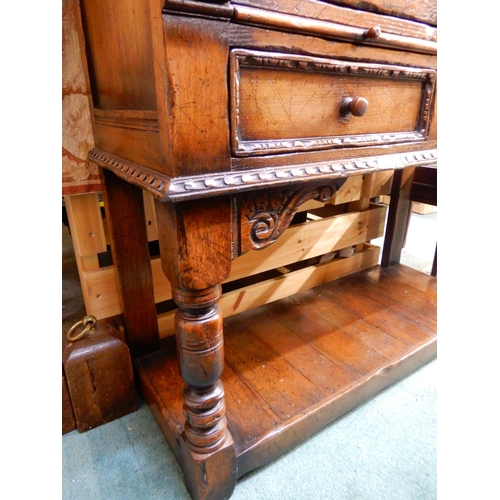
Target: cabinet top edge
{"x":369,"y":29}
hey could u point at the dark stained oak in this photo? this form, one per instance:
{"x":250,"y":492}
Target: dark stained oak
{"x":282,"y":387}
{"x":332,"y":341}
{"x":407,"y":275}
{"x":397,"y":219}
{"x":348,"y":297}
{"x":376,"y":339}
{"x":423,"y":10}
{"x":328,"y":376}
{"x":98,"y":372}
{"x":421,"y":189}
{"x":400,"y":296}
{"x":283,"y":363}
{"x":129,"y":247}
{"x":232,"y":115}
{"x":68,"y":417}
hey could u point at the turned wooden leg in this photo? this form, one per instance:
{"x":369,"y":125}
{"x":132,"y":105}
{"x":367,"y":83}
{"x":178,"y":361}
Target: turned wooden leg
{"x":195,"y":247}
{"x":210,"y":462}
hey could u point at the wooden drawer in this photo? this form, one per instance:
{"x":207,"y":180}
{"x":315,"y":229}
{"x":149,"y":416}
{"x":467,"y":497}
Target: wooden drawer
{"x":287,"y":103}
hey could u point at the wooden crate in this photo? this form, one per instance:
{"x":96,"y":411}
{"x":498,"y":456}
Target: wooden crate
{"x":305,"y":256}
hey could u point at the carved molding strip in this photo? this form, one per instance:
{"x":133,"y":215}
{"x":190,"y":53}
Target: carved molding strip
{"x":232,"y":182}
{"x":165,"y":188}
{"x":254,"y":59}
{"x":264,"y":216}
{"x":136,"y":174}
{"x":242,"y":58}
{"x":270,"y":147}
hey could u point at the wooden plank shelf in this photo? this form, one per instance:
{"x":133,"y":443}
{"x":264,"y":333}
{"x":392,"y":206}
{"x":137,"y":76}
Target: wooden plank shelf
{"x":294,"y":365}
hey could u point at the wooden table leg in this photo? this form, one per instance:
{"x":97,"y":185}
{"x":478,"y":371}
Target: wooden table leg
{"x":124,"y":206}
{"x":195,"y":248}
{"x":398,"y":217}
{"x":434,"y":269}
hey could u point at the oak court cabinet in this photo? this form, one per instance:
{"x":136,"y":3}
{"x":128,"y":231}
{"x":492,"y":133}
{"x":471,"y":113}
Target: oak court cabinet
{"x":232,"y":115}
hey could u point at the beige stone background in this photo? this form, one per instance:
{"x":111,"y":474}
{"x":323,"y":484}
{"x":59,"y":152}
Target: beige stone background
{"x":78,"y":174}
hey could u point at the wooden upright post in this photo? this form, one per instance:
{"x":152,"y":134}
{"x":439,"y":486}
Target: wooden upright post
{"x":124,"y":207}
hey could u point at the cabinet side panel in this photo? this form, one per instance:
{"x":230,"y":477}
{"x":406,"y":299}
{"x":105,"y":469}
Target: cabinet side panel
{"x":120,"y":54}
{"x":197,"y":56}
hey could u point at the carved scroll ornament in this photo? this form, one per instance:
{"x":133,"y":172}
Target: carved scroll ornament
{"x":264,"y":216}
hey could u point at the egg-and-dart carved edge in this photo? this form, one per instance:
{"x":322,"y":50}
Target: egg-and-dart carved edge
{"x":166,"y":188}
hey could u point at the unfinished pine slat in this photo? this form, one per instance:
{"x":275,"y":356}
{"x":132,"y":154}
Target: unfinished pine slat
{"x":312,"y":239}
{"x":88,"y":236}
{"x":295,"y":281}
{"x":100,"y":286}
{"x":299,"y":242}
{"x":349,"y":191}
{"x":252,"y":296}
{"x":381,"y":183}
{"x":363,"y":202}
{"x":87,"y":230}
{"x":310,"y":205}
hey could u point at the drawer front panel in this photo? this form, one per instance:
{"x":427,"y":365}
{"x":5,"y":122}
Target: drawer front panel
{"x":286,"y":103}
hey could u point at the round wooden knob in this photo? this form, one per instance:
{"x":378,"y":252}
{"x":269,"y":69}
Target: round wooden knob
{"x":357,"y":106}
{"x":373,"y":33}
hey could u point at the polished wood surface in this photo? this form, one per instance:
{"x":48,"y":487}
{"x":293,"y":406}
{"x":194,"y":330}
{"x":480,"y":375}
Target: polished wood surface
{"x":130,"y":85}
{"x":99,"y":377}
{"x":68,"y":416}
{"x":125,"y":217}
{"x":319,"y":352}
{"x":233,"y":115}
{"x":424,"y":10}
{"x":189,"y":107}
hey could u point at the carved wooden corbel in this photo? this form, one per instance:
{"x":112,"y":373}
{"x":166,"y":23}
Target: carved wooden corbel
{"x":265,"y":215}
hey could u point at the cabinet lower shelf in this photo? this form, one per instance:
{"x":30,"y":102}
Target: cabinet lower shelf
{"x":297,"y":364}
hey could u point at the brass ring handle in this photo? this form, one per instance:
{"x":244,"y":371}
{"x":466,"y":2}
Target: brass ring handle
{"x":88,"y":322}
{"x":356,"y":106}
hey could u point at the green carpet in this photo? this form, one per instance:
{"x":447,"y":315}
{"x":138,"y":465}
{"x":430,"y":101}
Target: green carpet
{"x":385,"y":449}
